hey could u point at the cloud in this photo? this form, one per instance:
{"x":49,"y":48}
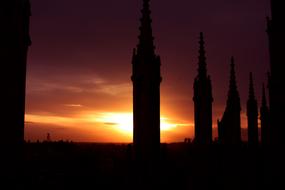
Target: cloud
{"x":46,"y":86}
{"x":73,"y":105}
{"x":77,"y":85}
{"x":29,"y":123}
{"x":114,"y":89}
{"x":110,"y":123}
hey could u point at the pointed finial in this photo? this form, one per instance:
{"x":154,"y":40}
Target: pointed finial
{"x":202,"y":57}
{"x":233,"y":95}
{"x":146,"y":7}
{"x":264,"y":103}
{"x":233,"y":85}
{"x":202,"y":70}
{"x":251,"y":88}
{"x":146,"y":44}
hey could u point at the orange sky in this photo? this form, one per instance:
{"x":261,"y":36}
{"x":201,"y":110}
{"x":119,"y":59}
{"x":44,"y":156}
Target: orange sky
{"x":108,"y":122}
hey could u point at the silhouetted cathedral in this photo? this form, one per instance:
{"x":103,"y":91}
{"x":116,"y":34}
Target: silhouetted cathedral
{"x":252,"y":115}
{"x":203,"y":100}
{"x":229,"y":129}
{"x":276,"y":36}
{"x":146,"y":92}
{"x":264,"y":120}
{"x":15,"y":40}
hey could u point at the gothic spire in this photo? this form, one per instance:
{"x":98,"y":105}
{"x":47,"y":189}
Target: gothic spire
{"x":251,"y":88}
{"x":202,"y":70}
{"x":146,"y":45}
{"x":229,"y":127}
{"x":233,"y":95}
{"x":233,"y":85}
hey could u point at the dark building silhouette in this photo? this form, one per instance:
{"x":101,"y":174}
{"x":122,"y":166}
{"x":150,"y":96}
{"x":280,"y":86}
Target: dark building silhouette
{"x":229,"y":129}
{"x":203,"y":100}
{"x":252,"y":115}
{"x":264,"y":120}
{"x":146,"y":91}
{"x":276,"y":30}
{"x":14,"y":43}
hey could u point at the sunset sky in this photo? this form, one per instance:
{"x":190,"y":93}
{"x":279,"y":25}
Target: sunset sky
{"x":79,"y":65}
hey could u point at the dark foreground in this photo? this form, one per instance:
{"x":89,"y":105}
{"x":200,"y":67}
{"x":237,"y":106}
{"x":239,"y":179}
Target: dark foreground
{"x":63,"y":165}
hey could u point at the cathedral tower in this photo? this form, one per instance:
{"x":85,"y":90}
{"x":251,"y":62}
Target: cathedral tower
{"x":15,"y":40}
{"x":146,"y":92}
{"x":203,"y":100}
{"x":229,"y":128}
{"x":252,"y":115}
{"x":276,"y":36}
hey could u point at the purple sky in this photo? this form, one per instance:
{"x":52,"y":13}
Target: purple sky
{"x":81,"y":53}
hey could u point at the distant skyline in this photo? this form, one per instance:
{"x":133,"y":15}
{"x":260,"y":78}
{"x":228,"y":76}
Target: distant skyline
{"x":79,"y":65}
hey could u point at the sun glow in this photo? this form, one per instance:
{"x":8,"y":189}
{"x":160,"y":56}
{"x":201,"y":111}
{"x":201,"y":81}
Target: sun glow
{"x":124,"y":121}
{"x":119,"y":125}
